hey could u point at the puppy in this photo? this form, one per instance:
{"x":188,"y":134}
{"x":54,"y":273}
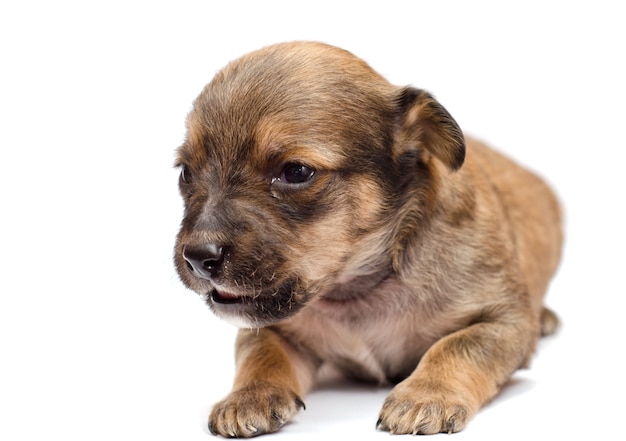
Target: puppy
{"x":336,"y":218}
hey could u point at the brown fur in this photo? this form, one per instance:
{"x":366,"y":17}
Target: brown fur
{"x":410,"y":255}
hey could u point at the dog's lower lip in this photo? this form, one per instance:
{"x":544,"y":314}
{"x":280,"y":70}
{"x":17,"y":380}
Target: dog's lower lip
{"x":224,"y":298}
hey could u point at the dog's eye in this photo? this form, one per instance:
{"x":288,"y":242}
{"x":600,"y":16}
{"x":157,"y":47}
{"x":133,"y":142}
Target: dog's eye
{"x":296,"y":174}
{"x":185,"y":175}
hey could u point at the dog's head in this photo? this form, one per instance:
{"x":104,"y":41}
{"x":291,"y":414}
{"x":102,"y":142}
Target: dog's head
{"x":303,"y":171}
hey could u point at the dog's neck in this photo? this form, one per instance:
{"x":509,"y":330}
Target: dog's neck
{"x":358,"y":286}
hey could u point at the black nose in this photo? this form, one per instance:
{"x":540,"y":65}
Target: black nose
{"x":205,"y":261}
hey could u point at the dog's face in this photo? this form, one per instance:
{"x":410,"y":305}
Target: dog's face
{"x":300,"y":168}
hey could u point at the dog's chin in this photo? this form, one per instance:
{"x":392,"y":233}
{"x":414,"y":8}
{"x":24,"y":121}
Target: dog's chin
{"x":254,"y":311}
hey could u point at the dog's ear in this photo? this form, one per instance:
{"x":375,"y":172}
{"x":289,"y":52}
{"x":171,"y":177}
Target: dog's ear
{"x":427,"y":124}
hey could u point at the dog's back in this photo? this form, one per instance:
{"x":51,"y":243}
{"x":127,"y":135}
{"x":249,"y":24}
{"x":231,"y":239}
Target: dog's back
{"x":533,"y":211}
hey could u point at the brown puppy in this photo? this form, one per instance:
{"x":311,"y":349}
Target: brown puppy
{"x":336,"y":218}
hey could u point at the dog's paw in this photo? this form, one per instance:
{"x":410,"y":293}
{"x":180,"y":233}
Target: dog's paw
{"x":254,"y":410}
{"x":412,"y":409}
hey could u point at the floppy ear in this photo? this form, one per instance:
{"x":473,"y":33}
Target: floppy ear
{"x":428,"y":125}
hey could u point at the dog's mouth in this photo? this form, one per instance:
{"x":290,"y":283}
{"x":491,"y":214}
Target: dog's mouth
{"x":261,"y":309}
{"x":224,"y":297}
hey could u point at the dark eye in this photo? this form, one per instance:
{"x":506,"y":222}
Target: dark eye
{"x":296,"y":174}
{"x":185,"y":175}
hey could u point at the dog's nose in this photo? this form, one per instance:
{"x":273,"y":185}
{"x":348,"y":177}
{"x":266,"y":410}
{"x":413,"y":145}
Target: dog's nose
{"x":205,"y":261}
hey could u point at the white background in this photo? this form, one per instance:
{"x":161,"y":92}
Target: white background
{"x":99,"y":339}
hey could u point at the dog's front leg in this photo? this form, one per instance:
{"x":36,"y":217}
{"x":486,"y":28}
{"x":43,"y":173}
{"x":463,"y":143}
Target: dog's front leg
{"x":456,"y":376}
{"x":269,"y":381}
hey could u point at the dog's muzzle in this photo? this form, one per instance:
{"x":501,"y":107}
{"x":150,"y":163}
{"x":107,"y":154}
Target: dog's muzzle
{"x":253,"y":304}
{"x":206,"y":262}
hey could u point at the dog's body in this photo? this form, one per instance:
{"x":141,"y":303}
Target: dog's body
{"x":351,"y":223}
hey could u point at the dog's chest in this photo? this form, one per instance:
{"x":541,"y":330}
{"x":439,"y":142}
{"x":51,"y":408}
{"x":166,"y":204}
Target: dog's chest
{"x":381,"y":345}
